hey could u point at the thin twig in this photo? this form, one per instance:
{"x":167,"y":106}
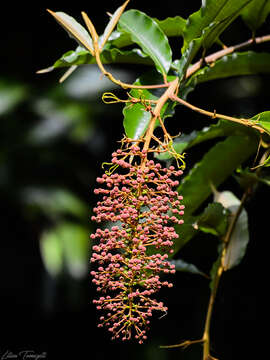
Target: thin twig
{"x":246,"y":122}
{"x":219,"y":54}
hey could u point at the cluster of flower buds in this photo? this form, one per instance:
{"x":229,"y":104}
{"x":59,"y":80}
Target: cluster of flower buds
{"x":140,"y":205}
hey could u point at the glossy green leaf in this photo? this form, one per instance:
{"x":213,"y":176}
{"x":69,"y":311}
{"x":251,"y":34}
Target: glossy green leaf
{"x":136,"y":120}
{"x":245,"y":63}
{"x":120,"y":39}
{"x":263,"y":120}
{"x":172,"y":26}
{"x":212,"y":11}
{"x":214,"y":168}
{"x":240,"y":235}
{"x":256,"y":13}
{"x":205,"y":26}
{"x":187,"y":56}
{"x":182,"y":265}
{"x":229,"y":153}
{"x":213,"y":220}
{"x":136,"y":117}
{"x":145,"y":32}
{"x":211,"y":33}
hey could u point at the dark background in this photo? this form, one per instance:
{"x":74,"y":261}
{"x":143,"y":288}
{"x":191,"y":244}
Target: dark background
{"x":50,"y":314}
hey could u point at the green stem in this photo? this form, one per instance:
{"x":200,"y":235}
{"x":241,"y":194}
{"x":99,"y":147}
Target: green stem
{"x":206,"y":333}
{"x":221,"y":268}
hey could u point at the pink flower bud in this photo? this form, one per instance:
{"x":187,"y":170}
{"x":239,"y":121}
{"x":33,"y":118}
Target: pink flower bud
{"x":141,"y":203}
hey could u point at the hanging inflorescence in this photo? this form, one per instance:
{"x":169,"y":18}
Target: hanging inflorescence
{"x":140,"y":203}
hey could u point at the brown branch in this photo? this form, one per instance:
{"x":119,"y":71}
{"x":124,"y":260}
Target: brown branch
{"x":213,"y":115}
{"x":219,"y":54}
{"x":156,"y":112}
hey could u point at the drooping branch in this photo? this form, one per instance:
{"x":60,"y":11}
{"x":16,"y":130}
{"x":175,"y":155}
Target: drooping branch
{"x":213,"y":115}
{"x":97,"y":52}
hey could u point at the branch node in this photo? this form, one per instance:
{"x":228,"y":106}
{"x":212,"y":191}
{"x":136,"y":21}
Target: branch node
{"x":214,"y":114}
{"x":183,"y":344}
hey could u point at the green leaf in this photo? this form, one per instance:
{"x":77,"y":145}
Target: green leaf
{"x":245,"y":63}
{"x":172,"y":26}
{"x":11,"y":95}
{"x":225,"y":156}
{"x":213,"y":219}
{"x":263,"y":120}
{"x":75,"y":240}
{"x":51,"y":250}
{"x":214,"y":168}
{"x":65,"y":248}
{"x":212,"y":11}
{"x":248,"y":179}
{"x":72,"y":120}
{"x":240,"y":235}
{"x":120,"y":39}
{"x":205,"y":26}
{"x":80,"y":56}
{"x":256,"y":13}
{"x":136,"y":118}
{"x":145,"y":32}
{"x":182,"y":265}
{"x":187,"y":56}
{"x":212,"y":32}
{"x":54,"y":202}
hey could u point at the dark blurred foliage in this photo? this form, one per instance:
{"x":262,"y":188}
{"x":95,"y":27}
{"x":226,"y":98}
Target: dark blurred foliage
{"x":53,"y":139}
